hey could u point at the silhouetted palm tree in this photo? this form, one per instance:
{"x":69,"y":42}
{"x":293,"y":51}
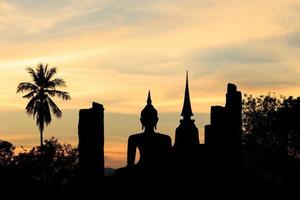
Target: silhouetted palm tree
{"x":40,"y":91}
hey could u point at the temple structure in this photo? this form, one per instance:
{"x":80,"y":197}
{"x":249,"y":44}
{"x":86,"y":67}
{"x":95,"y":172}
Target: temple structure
{"x":224,"y":132}
{"x":186,"y":135}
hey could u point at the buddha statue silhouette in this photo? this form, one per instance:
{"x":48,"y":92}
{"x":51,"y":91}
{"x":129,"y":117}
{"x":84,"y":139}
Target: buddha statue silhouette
{"x":153,"y":147}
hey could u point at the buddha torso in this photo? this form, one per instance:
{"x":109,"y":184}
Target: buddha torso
{"x":152,"y":147}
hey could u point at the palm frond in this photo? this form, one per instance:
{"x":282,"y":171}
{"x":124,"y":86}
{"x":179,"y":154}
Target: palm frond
{"x":47,"y":113}
{"x":54,"y":108}
{"x":31,"y":106}
{"x":30,"y":94}
{"x":36,"y":109}
{"x":33,"y":75}
{"x":45,"y":70}
{"x":58,"y":82}
{"x":42,"y":114}
{"x":50,"y":73}
{"x":49,"y":92}
{"x":26,"y":86}
{"x":61,"y":94}
{"x":40,"y":72}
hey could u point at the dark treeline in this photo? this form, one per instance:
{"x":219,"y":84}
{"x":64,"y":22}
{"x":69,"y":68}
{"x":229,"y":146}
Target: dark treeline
{"x":272,"y":123}
{"x":48,"y":169}
{"x":271,"y":140}
{"x":269,"y":165}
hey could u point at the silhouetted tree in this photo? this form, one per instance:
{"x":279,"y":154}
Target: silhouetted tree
{"x":271,"y":133}
{"x":289,"y":124}
{"x":53,"y":163}
{"x":259,"y":118}
{"x":273,"y":122}
{"x":40,"y":91}
{"x":6,"y":153}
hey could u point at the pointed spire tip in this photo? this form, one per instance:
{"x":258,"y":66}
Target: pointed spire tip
{"x":149,"y":101}
{"x":187,"y":78}
{"x":187,"y":109}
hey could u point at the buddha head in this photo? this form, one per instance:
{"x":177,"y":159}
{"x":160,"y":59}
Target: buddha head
{"x":149,"y":115}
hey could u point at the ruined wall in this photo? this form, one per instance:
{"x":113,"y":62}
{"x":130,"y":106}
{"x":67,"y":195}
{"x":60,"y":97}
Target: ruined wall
{"x":225,"y":129}
{"x":91,"y":141}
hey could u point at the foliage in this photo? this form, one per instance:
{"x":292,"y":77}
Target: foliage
{"x":6,"y":153}
{"x":271,"y":134}
{"x":272,"y":122}
{"x":53,"y":163}
{"x":259,"y":118}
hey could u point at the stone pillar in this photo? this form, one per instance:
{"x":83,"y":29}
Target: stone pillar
{"x":218,"y":125}
{"x":234,"y":113}
{"x":225,"y":128}
{"x":91,"y":141}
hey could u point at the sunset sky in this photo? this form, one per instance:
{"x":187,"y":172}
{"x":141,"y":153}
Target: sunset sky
{"x":114,"y":51}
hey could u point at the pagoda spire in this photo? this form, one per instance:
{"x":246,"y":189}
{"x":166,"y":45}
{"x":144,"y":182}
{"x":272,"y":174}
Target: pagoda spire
{"x":187,"y":134}
{"x":149,"y":101}
{"x":187,"y":109}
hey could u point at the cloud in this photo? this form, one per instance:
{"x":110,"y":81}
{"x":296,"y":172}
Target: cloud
{"x":219,"y":60}
{"x":32,"y":19}
{"x":39,"y":5}
{"x":264,"y":76}
{"x":37,"y":20}
{"x":270,"y":63}
{"x":293,"y":39}
{"x":236,"y":55}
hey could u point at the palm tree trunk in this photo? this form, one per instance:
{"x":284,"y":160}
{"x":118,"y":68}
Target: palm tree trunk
{"x":41,"y":132}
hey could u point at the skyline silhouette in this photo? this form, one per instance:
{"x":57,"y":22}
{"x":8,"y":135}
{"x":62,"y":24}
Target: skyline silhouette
{"x":186,"y":113}
{"x":227,"y":129}
{"x":232,"y":154}
{"x":112,"y":51}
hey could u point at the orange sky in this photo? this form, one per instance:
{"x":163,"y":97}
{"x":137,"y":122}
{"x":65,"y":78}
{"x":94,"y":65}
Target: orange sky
{"x":112,"y":52}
